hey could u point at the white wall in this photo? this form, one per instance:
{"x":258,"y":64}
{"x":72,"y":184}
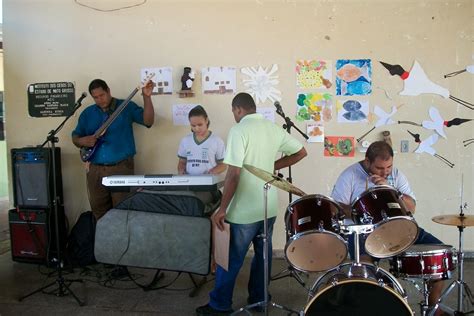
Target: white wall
{"x":48,"y":40}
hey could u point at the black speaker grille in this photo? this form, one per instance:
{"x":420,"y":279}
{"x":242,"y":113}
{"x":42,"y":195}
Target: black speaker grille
{"x":33,"y":177}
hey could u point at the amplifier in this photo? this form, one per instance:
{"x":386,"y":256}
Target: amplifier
{"x":32,"y":235}
{"x":32,"y":175}
{"x":29,"y":235}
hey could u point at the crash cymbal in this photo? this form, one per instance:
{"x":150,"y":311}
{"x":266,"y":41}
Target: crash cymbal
{"x":277,"y":181}
{"x":455,"y":220}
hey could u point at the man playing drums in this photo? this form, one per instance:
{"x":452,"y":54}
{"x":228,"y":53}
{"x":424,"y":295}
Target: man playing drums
{"x":377,"y":170}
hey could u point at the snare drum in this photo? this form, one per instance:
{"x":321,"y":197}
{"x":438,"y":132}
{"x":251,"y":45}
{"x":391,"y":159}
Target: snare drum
{"x":357,"y":290}
{"x":425,"y":261}
{"x":312,"y":228}
{"x":394,"y":228}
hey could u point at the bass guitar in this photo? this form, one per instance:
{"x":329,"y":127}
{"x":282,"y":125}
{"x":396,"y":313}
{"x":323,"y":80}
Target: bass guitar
{"x":88,"y":152}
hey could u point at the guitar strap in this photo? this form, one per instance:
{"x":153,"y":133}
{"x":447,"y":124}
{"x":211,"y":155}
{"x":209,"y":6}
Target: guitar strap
{"x":112,"y":107}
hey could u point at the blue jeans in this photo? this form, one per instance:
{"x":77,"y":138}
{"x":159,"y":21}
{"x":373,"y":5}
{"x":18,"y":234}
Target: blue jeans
{"x":423,"y":238}
{"x":241,"y":235}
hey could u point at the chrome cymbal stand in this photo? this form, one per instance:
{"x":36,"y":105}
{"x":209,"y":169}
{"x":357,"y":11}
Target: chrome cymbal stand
{"x":290,"y":271}
{"x":463,"y":289}
{"x":266,"y":302}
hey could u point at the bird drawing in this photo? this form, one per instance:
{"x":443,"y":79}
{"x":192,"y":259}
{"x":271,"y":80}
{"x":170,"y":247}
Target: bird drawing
{"x":469,"y":69}
{"x":437,"y":123}
{"x":384,"y":118}
{"x":425,"y":146}
{"x":416,"y":82}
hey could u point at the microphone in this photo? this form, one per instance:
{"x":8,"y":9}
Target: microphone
{"x":82,"y":97}
{"x":278,"y":107}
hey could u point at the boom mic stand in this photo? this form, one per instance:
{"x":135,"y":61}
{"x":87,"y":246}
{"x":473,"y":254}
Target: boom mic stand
{"x":63,"y":288}
{"x":289,"y":271}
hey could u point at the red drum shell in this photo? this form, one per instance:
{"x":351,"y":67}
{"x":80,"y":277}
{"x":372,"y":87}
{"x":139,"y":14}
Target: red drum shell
{"x":425,"y":261}
{"x":310,"y":211}
{"x":312,"y":228}
{"x":383,"y":207}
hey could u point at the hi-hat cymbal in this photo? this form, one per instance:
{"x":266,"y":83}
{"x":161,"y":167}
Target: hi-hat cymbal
{"x":455,"y":220}
{"x":277,"y":181}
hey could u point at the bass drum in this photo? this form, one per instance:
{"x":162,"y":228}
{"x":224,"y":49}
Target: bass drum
{"x":357,"y":290}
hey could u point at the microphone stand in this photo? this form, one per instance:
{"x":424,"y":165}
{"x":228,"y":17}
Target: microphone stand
{"x":290,"y":271}
{"x":63,"y":289}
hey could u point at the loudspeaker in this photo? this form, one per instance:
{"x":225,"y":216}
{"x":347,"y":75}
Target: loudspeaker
{"x":33,"y":177}
{"x":33,"y":234}
{"x":29,"y":235}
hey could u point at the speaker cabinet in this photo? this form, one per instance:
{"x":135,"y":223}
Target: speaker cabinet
{"x":29,"y":235}
{"x":32,"y":171}
{"x":33,"y":235}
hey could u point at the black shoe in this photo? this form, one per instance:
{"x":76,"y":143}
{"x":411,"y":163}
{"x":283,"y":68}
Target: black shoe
{"x":208,"y":310}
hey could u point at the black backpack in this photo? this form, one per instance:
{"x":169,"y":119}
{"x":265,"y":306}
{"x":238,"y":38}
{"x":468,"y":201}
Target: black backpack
{"x":80,"y":244}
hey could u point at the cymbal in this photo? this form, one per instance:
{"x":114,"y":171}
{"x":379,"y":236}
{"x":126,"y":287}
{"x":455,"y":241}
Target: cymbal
{"x":454,"y":220}
{"x":277,"y":181}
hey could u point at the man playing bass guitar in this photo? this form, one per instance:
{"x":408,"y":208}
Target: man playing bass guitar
{"x":114,"y":146}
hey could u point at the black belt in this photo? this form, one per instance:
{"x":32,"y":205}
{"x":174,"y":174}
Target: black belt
{"x":107,"y":164}
{"x":110,"y":164}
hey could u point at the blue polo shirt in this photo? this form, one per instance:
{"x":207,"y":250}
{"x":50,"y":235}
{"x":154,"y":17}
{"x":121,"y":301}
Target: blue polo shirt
{"x":118,"y":142}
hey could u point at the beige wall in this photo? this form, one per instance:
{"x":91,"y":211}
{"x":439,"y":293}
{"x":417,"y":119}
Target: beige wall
{"x":48,"y":40}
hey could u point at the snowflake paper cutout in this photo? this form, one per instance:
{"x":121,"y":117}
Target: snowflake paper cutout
{"x":262,"y":82}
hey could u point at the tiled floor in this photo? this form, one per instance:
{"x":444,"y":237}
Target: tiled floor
{"x":105,"y":295}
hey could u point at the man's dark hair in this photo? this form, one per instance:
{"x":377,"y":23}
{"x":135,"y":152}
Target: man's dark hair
{"x":244,"y":101}
{"x":198,"y":110}
{"x":98,"y":83}
{"x":379,"y":149}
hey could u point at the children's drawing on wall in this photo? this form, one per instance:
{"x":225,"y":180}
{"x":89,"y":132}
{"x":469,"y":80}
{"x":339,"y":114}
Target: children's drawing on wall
{"x":313,"y":74}
{"x":262,"y":83}
{"x":180,"y":113}
{"x":218,"y":80}
{"x":187,"y":80}
{"x":416,"y":82}
{"x":352,"y":111}
{"x":314,"y":106}
{"x":315,"y":132}
{"x":425,"y":146}
{"x":469,"y":69}
{"x":437,"y":123}
{"x":353,"y":76}
{"x":339,"y":146}
{"x":468,"y":142}
{"x":267,"y":112}
{"x":163,"y":79}
{"x":383,"y":118}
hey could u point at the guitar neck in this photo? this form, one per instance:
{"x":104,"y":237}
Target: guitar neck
{"x":116,"y":113}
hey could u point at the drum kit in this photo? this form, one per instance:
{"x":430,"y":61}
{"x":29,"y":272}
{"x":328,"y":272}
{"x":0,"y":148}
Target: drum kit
{"x":317,"y":242}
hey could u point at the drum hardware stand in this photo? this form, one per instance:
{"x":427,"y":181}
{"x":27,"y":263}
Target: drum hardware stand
{"x":265,"y":303}
{"x":63,"y":289}
{"x":459,"y":283}
{"x":289,"y":271}
{"x":425,"y":291}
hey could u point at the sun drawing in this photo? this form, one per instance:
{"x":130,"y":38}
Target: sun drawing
{"x":262,"y":83}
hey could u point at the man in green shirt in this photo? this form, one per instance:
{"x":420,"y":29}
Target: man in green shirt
{"x":254,"y":141}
